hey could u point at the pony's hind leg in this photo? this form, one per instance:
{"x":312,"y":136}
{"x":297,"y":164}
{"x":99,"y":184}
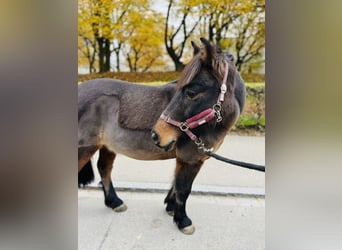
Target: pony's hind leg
{"x":184,"y":177}
{"x":105,"y":166}
{"x":84,"y":155}
{"x":85,"y":170}
{"x":86,"y":175}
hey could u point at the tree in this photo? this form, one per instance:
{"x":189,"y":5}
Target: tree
{"x":87,"y":52}
{"x":249,"y":30}
{"x":144,"y":44}
{"x":86,"y":42}
{"x":175,"y":37}
{"x":218,"y":17}
{"x":105,"y":22}
{"x":126,"y":28}
{"x":102,"y":28}
{"x":94,"y":22}
{"x":237,"y":26}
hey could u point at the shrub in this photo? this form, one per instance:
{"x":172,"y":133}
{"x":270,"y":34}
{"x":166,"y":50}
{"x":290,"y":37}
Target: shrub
{"x":253,"y":116}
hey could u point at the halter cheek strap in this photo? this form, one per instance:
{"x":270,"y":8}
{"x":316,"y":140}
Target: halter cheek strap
{"x":202,"y":117}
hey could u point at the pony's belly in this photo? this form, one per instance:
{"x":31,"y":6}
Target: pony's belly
{"x":135,"y":144}
{"x":147,"y":155}
{"x":138,"y":153}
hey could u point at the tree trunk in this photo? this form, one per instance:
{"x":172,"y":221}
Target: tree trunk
{"x":238,"y":63}
{"x":91,"y":67}
{"x":104,"y":54}
{"x":101,"y":53}
{"x":107,"y":55}
{"x":117,"y":60}
{"x":179,"y":66}
{"x":129,"y":61}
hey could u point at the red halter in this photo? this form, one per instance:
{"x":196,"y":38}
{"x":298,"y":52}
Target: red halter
{"x":203,"y":117}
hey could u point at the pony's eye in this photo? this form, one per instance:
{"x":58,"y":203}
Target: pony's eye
{"x":191,"y":94}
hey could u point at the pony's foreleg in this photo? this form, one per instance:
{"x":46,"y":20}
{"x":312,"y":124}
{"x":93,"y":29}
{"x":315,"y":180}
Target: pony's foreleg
{"x":105,"y":166}
{"x":170,"y":201}
{"x":184,"y":177}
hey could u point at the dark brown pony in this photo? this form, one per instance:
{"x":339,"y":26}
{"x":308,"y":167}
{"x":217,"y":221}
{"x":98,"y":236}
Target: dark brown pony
{"x":118,"y":117}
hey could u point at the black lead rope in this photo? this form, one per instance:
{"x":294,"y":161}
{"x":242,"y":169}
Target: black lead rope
{"x":237,"y":163}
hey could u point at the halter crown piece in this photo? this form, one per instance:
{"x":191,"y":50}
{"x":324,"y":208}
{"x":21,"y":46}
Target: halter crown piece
{"x":202,"y":117}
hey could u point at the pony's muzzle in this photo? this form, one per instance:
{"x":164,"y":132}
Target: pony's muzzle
{"x":155,"y":137}
{"x":164,"y":135}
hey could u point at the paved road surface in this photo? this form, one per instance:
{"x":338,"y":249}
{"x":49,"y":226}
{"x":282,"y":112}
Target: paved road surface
{"x":214,"y":175}
{"x":222,"y":221}
{"x":227,"y":223}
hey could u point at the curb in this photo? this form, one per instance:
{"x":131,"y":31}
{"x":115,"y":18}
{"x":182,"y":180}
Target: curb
{"x":254,"y":192}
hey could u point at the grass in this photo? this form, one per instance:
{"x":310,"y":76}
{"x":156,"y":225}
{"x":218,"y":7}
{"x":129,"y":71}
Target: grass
{"x":159,"y":83}
{"x":255,"y":84}
{"x":252,"y":119}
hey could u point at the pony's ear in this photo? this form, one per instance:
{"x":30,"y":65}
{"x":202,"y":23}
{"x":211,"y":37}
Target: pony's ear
{"x":196,"y":48}
{"x":218,"y":49}
{"x":229,"y":57}
{"x":206,"y":51}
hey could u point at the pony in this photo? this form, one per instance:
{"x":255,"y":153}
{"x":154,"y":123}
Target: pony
{"x":178,"y":120}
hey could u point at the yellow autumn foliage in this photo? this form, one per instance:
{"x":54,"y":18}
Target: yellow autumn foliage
{"x":136,"y":31}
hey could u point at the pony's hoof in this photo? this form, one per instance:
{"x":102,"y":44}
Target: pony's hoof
{"x":188,"y":230}
{"x":120,"y":208}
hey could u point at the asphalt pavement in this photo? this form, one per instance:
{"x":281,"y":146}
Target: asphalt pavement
{"x":215,"y":176}
{"x":221,"y":223}
{"x":227,"y":205}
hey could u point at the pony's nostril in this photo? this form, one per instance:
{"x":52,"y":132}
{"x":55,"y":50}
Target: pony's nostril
{"x":155,"y":137}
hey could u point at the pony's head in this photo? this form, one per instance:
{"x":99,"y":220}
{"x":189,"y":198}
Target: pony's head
{"x":197,"y":90}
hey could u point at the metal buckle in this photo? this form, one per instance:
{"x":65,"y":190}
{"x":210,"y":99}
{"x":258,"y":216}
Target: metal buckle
{"x":217,"y":108}
{"x":218,"y":117}
{"x":183,"y":126}
{"x":199,"y":143}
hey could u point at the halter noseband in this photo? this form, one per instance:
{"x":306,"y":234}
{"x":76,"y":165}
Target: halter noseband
{"x":202,"y":117}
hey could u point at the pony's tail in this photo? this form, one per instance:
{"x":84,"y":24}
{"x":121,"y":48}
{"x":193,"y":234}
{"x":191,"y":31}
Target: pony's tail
{"x":86,"y":175}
